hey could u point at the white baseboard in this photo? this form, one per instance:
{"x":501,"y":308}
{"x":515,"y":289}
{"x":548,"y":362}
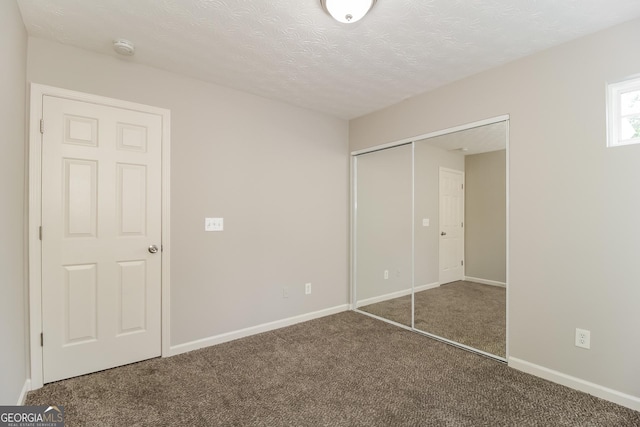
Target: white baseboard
{"x":485,"y":281}
{"x":393,"y":295}
{"x":253,"y":330}
{"x":23,"y":394}
{"x":384,"y":297}
{"x":632,"y":402}
{"x":427,"y":286}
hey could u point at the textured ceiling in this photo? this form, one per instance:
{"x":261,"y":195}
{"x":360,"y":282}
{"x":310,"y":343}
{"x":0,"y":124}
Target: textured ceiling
{"x":291,"y":50}
{"x":482,"y":139}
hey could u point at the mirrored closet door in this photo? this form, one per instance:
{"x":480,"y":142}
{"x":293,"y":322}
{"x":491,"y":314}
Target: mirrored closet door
{"x":383,"y":237}
{"x":430,"y":236}
{"x":460,"y":237}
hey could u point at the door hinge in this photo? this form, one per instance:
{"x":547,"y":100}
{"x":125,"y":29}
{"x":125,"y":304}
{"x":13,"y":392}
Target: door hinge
{"x":461,"y":262}
{"x":462,"y":186}
{"x":41,"y":125}
{"x":41,"y":339}
{"x":40,"y":232}
{"x":462,"y":224}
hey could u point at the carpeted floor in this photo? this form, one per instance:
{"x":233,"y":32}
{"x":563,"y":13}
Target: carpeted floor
{"x":465,"y":312}
{"x":342,"y":370}
{"x":396,"y":309}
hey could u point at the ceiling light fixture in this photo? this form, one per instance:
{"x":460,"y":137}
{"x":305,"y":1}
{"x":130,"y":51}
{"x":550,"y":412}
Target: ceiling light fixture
{"x":347,"y":11}
{"x":124,"y":47}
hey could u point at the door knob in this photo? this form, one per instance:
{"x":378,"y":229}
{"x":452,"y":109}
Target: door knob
{"x":443,"y":234}
{"x":153,"y":249}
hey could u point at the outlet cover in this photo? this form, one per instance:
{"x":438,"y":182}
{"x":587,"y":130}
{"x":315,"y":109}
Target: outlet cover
{"x":583,"y":338}
{"x":213,"y":224}
{"x":307,"y":288}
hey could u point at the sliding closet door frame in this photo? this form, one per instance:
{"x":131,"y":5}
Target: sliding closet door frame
{"x":413,"y":235}
{"x":354,"y":230}
{"x":353,"y":205}
{"x":353,"y":267}
{"x":508,"y":218}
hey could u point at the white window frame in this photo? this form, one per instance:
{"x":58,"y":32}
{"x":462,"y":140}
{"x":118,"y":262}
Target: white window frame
{"x":614,"y":93}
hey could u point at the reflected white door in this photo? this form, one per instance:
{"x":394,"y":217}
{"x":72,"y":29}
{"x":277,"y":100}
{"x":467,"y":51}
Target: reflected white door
{"x":451,"y":225}
{"x":101,"y":213}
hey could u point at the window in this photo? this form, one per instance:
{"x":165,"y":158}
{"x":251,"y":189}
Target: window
{"x":623,"y":109}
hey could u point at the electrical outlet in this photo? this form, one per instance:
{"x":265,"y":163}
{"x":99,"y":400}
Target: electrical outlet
{"x":307,"y":288}
{"x":583,"y":338}
{"x":285,"y":292}
{"x":386,"y":274}
{"x":213,"y":224}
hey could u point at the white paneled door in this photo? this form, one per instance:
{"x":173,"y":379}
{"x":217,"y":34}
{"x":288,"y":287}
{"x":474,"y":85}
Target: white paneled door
{"x":451,"y":225}
{"x":101,"y":225}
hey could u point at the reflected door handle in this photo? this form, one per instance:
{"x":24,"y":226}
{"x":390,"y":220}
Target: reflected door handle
{"x":153,"y":249}
{"x":443,"y":234}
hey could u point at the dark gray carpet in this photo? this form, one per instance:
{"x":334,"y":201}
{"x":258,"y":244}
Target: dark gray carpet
{"x":396,"y":309}
{"x":465,"y":312}
{"x":343,"y":370}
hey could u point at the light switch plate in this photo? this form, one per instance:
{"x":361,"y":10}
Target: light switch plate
{"x":213,"y":224}
{"x":425,"y":222}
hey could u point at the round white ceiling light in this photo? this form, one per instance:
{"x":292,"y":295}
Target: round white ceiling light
{"x":347,"y":11}
{"x":124,"y":47}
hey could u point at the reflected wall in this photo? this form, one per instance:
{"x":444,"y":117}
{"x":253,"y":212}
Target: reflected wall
{"x":486,"y":217}
{"x":383,"y":212}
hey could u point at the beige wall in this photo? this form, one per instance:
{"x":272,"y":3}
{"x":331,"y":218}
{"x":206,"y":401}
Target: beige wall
{"x":383,"y":222}
{"x":13,"y":323}
{"x":278,"y":175}
{"x":428,"y":161}
{"x":574,"y":230}
{"x":485,"y":205}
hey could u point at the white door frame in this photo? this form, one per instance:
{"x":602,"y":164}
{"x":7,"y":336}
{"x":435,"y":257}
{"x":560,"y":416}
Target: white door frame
{"x":35,"y":215}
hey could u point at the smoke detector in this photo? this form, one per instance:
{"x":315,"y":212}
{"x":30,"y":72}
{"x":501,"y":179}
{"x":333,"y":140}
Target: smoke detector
{"x":124,"y":47}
